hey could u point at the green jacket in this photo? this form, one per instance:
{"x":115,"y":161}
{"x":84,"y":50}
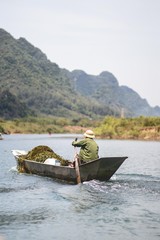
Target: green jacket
{"x":89,"y":149}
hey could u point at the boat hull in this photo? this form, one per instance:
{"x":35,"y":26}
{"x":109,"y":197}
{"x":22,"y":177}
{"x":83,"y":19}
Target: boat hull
{"x":101,"y":169}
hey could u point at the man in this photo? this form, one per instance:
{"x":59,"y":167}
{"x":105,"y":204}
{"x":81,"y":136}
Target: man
{"x":89,"y":148}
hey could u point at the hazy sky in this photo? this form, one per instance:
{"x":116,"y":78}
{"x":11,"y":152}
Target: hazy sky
{"x":119,"y":36}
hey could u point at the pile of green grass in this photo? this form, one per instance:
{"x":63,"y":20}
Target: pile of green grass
{"x":40,"y":154}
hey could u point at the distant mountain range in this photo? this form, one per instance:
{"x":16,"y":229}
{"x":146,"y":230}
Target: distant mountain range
{"x":30,"y":84}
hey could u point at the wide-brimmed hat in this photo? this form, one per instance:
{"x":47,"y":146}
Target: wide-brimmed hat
{"x":89,"y":134}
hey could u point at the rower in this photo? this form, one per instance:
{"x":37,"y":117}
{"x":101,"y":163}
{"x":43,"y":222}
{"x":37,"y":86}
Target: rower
{"x":89,"y":148}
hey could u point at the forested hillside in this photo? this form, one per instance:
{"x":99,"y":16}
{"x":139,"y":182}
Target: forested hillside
{"x":36,"y":86}
{"x":106,"y":90}
{"x":40,"y":84}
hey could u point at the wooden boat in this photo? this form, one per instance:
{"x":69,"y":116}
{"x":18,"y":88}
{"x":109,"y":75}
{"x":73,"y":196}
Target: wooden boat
{"x":100,"y":169}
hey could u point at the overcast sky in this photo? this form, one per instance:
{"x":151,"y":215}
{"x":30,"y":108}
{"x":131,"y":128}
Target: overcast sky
{"x":119,"y":36}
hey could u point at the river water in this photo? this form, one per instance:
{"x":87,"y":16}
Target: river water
{"x":37,"y":208}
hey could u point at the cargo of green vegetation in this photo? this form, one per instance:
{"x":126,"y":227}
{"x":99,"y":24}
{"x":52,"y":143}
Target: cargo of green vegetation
{"x":40,"y":154}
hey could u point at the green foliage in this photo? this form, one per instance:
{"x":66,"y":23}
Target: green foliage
{"x":134,"y":128}
{"x":1,"y":129}
{"x":38,"y":84}
{"x":34,"y":125}
{"x":39,"y":87}
{"x":109,"y":127}
{"x":11,"y":107}
{"x":39,"y":154}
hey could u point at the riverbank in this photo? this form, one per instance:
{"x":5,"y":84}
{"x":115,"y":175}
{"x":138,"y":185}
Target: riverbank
{"x":150,"y":134}
{"x":110,"y":128}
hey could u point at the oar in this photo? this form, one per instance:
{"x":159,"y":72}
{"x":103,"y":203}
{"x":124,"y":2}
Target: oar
{"x":78,"y":176}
